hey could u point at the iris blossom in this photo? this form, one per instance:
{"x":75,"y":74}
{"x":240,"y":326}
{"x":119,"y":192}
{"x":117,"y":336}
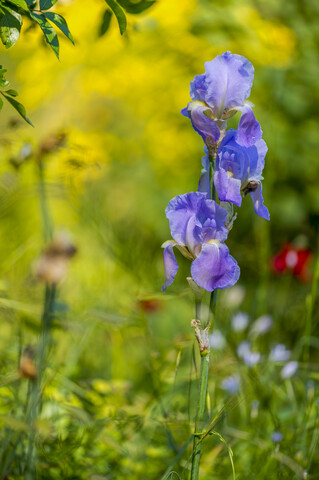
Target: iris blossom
{"x":218,"y":94}
{"x":238,"y":169}
{"x":198,"y":228}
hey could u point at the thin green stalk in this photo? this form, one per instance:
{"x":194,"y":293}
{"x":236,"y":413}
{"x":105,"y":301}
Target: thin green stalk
{"x":202,"y":337}
{"x":35,"y":400}
{"x":197,"y":444}
{"x":310,"y":304}
{"x":203,"y":342}
{"x":212,"y":160}
{"x":46,"y":217}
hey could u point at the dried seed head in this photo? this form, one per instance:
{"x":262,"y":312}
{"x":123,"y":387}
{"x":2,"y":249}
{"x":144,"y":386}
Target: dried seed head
{"x":53,"y":263}
{"x":27,"y":367}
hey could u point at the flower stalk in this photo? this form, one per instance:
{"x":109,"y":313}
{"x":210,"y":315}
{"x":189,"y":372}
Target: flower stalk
{"x":232,"y":168}
{"x":204,"y":348}
{"x":202,"y":337}
{"x":35,"y":398}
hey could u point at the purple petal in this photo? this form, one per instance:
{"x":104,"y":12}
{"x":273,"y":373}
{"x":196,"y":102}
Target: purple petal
{"x":258,"y":202}
{"x":213,"y":220}
{"x":229,"y":80}
{"x":198,"y":112}
{"x":170,"y":264}
{"x":204,"y":181}
{"x":185,"y":113}
{"x":257,"y":168}
{"x":214,"y":267}
{"x":228,"y":187}
{"x":198,"y":88}
{"x":180,"y":210}
{"x":249,"y":130}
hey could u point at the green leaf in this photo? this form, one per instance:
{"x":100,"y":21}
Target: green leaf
{"x":136,"y":7}
{"x":118,"y":12}
{"x":10,"y":26}
{"x":18,"y":107}
{"x":19,"y":3}
{"x":47,"y":4}
{"x":3,"y":82}
{"x":1,"y":104}
{"x":49,"y":32}
{"x":106,"y":21}
{"x":31,"y":4}
{"x":60,"y":22}
{"x":12,"y":93}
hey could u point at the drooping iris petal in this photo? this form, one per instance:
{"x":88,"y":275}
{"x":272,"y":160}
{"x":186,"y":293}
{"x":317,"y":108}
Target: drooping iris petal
{"x":228,"y":80}
{"x":259,"y":163}
{"x":238,"y":171}
{"x":214,"y":267}
{"x":249,"y":130}
{"x":170,"y":264}
{"x":258,"y":202}
{"x":228,"y":187}
{"x":180,"y":211}
{"x":203,"y":124}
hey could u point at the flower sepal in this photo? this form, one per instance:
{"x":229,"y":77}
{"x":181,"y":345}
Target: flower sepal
{"x":196,"y":289}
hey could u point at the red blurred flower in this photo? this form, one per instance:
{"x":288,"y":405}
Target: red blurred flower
{"x":293,"y":259}
{"x":149,"y":305}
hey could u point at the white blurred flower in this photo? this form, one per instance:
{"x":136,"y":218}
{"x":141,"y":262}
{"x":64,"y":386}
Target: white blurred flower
{"x":279,"y":353}
{"x":249,"y":357}
{"x":252,"y":358}
{"x":217,"y":340}
{"x":243,"y":348}
{"x":234,"y":296}
{"x":261,"y":326}
{"x":231,"y":384}
{"x":239,"y":321}
{"x":254,"y":409}
{"x":289,"y":370}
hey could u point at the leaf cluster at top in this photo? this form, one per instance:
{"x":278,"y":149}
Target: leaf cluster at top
{"x":12,"y":13}
{"x":117,"y":7}
{"x":11,"y":19}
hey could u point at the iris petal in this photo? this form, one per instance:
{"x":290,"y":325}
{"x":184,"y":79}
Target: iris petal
{"x":170,"y":265}
{"x":180,"y":211}
{"x":228,"y":188}
{"x":214,"y":267}
{"x":249,"y":130}
{"x":258,"y":202}
{"x":229,"y":80}
{"x":199,"y":113}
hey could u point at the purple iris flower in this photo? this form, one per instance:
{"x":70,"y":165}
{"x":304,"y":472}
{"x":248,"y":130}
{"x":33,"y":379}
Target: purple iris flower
{"x":198,"y":228}
{"x":239,"y":165}
{"x":218,"y":94}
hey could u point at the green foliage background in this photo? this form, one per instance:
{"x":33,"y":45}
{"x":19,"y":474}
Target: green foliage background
{"x":120,"y":393}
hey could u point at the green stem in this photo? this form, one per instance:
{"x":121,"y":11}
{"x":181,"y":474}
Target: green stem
{"x":46,"y":217}
{"x":197,"y":445}
{"x":212,"y":160}
{"x":204,"y":365}
{"x":310,"y":304}
{"x":35,"y":400}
